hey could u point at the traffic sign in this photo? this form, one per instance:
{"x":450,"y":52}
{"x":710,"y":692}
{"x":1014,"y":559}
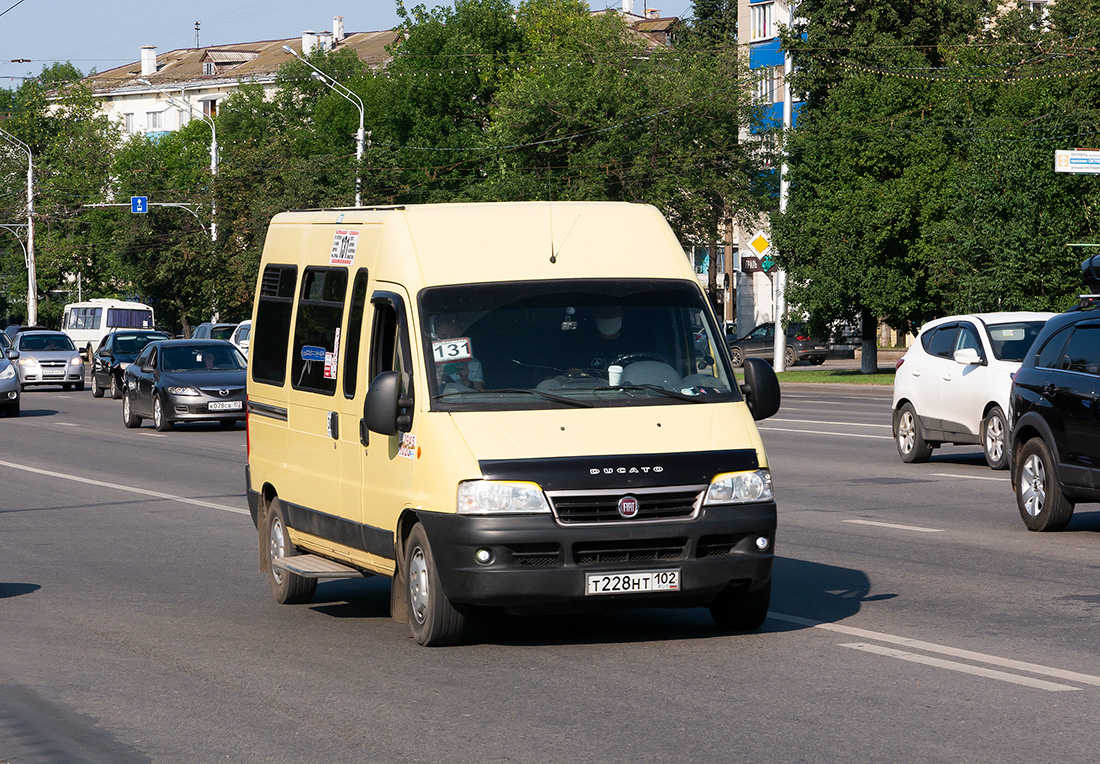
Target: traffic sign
{"x":760,"y":244}
{"x":139,"y":204}
{"x":1077,"y":161}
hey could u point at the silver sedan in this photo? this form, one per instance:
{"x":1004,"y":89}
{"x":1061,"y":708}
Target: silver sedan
{"x":47,"y":358}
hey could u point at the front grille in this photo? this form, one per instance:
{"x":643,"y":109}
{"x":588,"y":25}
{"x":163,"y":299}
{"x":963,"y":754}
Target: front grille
{"x":215,"y":392}
{"x":715,"y":546}
{"x":52,"y":364}
{"x":603,"y":506}
{"x":536,"y":554}
{"x":645,"y":550}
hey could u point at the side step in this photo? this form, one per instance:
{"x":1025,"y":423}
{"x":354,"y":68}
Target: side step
{"x":312,"y":566}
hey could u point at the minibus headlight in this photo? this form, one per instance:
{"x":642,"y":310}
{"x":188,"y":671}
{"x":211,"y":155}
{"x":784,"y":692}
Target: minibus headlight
{"x":489,"y":497}
{"x":8,"y":372}
{"x":740,"y":487}
{"x":182,"y":391}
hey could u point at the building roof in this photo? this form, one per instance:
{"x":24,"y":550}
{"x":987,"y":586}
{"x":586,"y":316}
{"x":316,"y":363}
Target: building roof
{"x":247,"y":61}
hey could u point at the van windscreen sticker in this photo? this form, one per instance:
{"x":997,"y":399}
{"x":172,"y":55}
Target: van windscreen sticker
{"x":330,"y":358}
{"x":408,"y":446}
{"x":450,"y":350}
{"x":344,"y":243}
{"x":313,"y":353}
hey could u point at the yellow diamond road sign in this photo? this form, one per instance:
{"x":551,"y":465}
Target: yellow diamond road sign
{"x":759,"y":243}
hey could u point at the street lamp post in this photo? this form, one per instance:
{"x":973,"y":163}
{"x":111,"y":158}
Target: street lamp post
{"x":357,"y":102}
{"x":182,"y":106}
{"x":32,"y":278}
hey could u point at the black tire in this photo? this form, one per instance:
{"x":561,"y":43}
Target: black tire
{"x":66,"y":386}
{"x":288,"y":588}
{"x":790,"y":358}
{"x":817,"y":360}
{"x":160,"y":421}
{"x":995,"y":439}
{"x":907,"y":436}
{"x":228,"y":424}
{"x":116,"y":387}
{"x":1039,"y":497}
{"x":433,"y":620}
{"x":741,"y":611}
{"x":80,"y":386}
{"x":97,"y":391}
{"x":737,"y":357}
{"x":129,"y":418}
{"x":12,"y":409}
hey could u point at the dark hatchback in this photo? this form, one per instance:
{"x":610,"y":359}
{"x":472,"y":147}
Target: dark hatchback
{"x":760,"y":343}
{"x":117,"y":351}
{"x":184,"y":381}
{"x":1055,"y":405}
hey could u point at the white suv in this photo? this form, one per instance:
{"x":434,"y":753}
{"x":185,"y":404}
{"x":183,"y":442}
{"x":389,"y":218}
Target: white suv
{"x":953,"y":384}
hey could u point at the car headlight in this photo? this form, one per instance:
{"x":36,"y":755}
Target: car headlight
{"x":740,"y":488}
{"x":28,"y":362}
{"x":8,"y":372}
{"x":490,"y":497}
{"x":182,"y":391}
{"x":76,"y":361}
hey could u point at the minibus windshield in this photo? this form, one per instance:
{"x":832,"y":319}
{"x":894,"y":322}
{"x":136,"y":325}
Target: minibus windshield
{"x":572,"y":343}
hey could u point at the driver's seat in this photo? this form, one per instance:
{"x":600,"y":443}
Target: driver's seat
{"x":652,"y":373}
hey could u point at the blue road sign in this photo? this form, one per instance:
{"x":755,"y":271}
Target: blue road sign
{"x":139,"y":204}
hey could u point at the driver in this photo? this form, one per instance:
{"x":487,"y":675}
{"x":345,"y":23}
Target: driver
{"x":467,"y":373}
{"x":606,"y":345}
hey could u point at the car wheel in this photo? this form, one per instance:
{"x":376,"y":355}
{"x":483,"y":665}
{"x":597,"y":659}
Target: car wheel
{"x":12,"y":409}
{"x":907,"y":436}
{"x":116,"y":387}
{"x":66,"y":386}
{"x":228,"y":424}
{"x":737,"y":357}
{"x":817,"y":360}
{"x":790,"y":358}
{"x":97,"y":391}
{"x":129,"y":418}
{"x":993,"y":439}
{"x":433,"y":620}
{"x":741,"y":611}
{"x":80,"y":386}
{"x":159,"y":420}
{"x":1042,"y":504}
{"x":288,"y":588}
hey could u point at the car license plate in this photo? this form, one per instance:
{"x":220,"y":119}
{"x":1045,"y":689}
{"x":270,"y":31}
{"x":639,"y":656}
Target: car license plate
{"x":632,"y":582}
{"x":53,"y":372}
{"x":224,"y":405}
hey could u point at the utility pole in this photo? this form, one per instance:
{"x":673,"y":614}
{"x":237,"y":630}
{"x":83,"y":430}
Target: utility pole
{"x":32,"y":278}
{"x":780,"y":362}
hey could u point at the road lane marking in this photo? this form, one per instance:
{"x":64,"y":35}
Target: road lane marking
{"x":896,"y":526}
{"x":819,"y":421}
{"x":819,"y":432}
{"x":932,"y":647}
{"x":155,"y":434}
{"x":967,"y":477}
{"x":926,"y":660}
{"x":67,"y":424}
{"x":126,"y":488}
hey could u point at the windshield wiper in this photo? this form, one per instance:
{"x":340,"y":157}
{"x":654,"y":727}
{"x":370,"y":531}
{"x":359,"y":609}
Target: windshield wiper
{"x":663,"y":391}
{"x":540,"y":393}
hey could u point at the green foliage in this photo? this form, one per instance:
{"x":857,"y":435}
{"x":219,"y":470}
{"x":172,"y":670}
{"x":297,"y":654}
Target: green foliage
{"x":922,"y":164}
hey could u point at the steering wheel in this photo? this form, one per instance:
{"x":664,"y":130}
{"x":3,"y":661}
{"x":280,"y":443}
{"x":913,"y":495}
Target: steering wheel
{"x":628,"y":358}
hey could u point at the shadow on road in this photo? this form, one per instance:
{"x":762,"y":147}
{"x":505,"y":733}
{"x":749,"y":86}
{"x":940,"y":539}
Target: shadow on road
{"x":15,"y":590}
{"x":807,"y":590}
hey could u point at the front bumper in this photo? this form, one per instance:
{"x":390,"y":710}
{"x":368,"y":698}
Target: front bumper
{"x":196,"y":408}
{"x":36,"y":376}
{"x":537,"y":561}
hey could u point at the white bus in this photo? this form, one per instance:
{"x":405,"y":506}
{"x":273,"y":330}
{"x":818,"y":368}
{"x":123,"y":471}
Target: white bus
{"x":87,"y":323}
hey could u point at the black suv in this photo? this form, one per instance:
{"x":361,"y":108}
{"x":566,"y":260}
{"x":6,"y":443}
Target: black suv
{"x":1055,"y":438}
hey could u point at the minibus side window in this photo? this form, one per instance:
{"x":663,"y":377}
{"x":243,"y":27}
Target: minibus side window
{"x":313,"y":364}
{"x":271,"y":334}
{"x":355,"y":333}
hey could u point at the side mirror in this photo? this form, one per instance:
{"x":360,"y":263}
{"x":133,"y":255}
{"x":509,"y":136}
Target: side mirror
{"x":967,"y":357}
{"x":761,"y":388}
{"x":13,"y":355}
{"x":148,"y":368}
{"x":380,"y":407}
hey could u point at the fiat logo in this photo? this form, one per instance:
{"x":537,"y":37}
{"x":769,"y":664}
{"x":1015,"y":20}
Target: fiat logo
{"x":628,"y":507}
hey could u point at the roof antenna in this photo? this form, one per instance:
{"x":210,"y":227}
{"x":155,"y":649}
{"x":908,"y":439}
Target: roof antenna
{"x":550,"y":207}
{"x":196,"y":34}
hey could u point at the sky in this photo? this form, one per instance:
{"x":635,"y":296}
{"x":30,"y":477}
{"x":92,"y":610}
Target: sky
{"x":103,"y":34}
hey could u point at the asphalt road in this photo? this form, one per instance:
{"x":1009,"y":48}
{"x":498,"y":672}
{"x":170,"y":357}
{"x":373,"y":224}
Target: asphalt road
{"x":913,"y":619}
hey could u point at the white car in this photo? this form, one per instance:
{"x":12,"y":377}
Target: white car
{"x":240,"y":336}
{"x":953,"y":384}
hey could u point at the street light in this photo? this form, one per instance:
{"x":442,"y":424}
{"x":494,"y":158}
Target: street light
{"x":184,"y":105}
{"x":357,"y":102}
{"x":32,"y":287}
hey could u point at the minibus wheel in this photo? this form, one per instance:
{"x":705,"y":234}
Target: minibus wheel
{"x":741,"y":611}
{"x":433,"y":620}
{"x":288,"y":588}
